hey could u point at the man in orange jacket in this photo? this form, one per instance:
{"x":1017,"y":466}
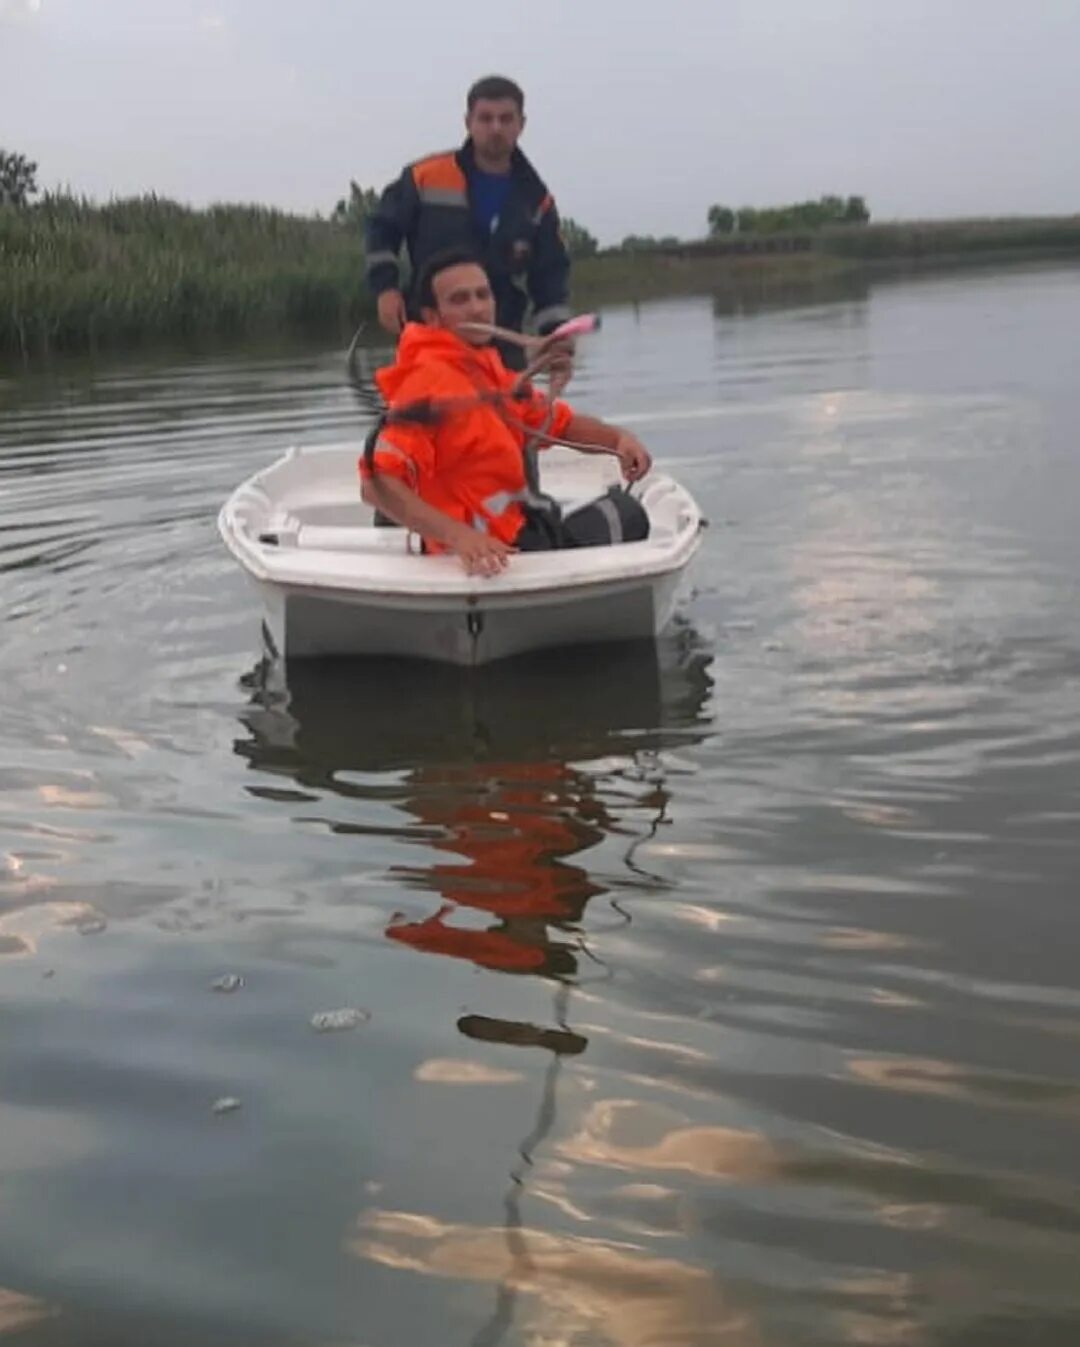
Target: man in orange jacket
{"x":457,"y":473}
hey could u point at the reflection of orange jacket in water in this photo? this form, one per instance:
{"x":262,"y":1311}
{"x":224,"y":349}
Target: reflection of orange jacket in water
{"x":489,"y":949}
{"x":513,"y":824}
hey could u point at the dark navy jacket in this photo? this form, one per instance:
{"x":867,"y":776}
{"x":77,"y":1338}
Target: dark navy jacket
{"x":427,"y":208}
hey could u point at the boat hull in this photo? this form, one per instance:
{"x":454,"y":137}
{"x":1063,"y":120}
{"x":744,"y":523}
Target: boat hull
{"x":308,"y":623}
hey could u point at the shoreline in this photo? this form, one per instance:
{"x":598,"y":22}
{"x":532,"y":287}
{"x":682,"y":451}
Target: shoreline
{"x":77,"y":279}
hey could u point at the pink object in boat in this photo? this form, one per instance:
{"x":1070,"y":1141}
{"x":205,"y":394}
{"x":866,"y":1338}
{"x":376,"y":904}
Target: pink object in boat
{"x":577,"y":327}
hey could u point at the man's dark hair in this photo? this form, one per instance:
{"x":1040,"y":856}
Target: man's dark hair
{"x":438,"y":262}
{"x":495,"y":87}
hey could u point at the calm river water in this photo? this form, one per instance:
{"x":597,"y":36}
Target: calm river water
{"x":727,"y":994}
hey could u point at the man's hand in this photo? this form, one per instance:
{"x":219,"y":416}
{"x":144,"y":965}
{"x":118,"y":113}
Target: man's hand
{"x":391,"y":306}
{"x":634,"y":458}
{"x":480,"y":553}
{"x":558,"y":353}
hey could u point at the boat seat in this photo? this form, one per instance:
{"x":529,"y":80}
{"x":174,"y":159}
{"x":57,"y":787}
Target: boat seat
{"x":285,"y":530}
{"x":357,"y":538}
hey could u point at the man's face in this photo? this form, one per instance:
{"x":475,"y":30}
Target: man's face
{"x":494,"y":125}
{"x":462,"y":295}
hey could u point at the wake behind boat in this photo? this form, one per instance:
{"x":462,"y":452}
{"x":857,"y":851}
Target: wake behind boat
{"x":332,"y":583}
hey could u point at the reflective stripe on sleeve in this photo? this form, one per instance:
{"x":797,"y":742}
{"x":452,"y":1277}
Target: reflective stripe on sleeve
{"x":381,"y":258}
{"x":386,"y":447}
{"x":442,"y":196}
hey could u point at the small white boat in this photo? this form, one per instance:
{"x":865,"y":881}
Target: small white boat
{"x":332,"y":583}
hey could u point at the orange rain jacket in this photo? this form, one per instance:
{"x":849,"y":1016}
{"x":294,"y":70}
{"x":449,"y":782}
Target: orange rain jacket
{"x":469,"y":462}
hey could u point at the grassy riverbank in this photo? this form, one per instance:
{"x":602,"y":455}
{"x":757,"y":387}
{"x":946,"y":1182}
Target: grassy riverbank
{"x":75,"y":276}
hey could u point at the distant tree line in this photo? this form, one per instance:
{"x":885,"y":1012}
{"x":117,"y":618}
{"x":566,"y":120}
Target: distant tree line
{"x":799,"y":215}
{"x":577,"y":240}
{"x":644,"y":243}
{"x":353,"y":210}
{"x":18,"y":179}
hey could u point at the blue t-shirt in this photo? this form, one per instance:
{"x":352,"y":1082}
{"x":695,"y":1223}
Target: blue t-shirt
{"x":487,"y":196}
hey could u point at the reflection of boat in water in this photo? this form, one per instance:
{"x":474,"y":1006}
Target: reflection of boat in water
{"x":509,"y":775}
{"x":311,"y":718}
{"x":496,"y":775}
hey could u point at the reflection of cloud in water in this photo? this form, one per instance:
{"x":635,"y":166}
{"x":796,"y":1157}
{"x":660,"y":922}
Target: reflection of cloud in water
{"x":648,"y":1209}
{"x":692,"y":851}
{"x":614,"y":1293}
{"x":128,"y":743}
{"x":851,"y":594}
{"x":18,"y":1311}
{"x":877,"y":815}
{"x":949,"y":1080}
{"x":451,"y":1071}
{"x":708,"y":918}
{"x":667,"y":1049}
{"x":858,"y":938}
{"x":21,"y":930}
{"x":64,"y":797}
{"x":627,"y":1134}
{"x":883,"y":1313}
{"x":17,"y":883}
{"x":913,"y":1215}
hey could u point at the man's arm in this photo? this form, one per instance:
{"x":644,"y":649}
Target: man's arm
{"x":591,"y":435}
{"x":560,"y":423}
{"x":385,"y":229}
{"x":549,"y":272}
{"x":480,"y":553}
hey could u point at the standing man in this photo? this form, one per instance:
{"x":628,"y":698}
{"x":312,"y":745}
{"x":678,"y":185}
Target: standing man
{"x":485,"y":196}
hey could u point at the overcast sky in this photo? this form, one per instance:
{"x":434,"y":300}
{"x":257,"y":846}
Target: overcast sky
{"x":926,"y":107}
